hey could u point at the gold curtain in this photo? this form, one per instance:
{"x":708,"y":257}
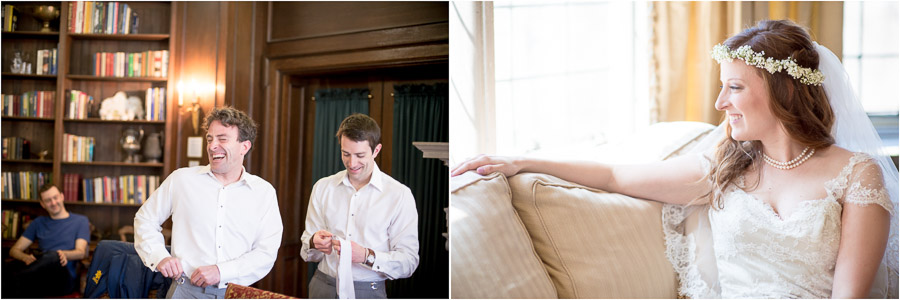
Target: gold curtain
{"x":686,"y":79}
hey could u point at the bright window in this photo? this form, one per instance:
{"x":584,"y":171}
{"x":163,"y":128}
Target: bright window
{"x":569,"y":76}
{"x":872,"y":57}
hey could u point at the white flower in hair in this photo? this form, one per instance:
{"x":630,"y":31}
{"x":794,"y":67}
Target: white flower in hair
{"x":721,"y":53}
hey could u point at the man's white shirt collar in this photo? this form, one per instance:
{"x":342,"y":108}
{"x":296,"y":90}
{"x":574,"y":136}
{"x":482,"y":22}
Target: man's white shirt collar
{"x":376,"y":181}
{"x":244,"y":176}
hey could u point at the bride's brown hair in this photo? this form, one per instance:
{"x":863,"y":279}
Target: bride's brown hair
{"x":803,"y":110}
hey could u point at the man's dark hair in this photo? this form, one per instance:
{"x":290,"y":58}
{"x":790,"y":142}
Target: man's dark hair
{"x":359,"y":127}
{"x":47,"y":187}
{"x":230,"y":116}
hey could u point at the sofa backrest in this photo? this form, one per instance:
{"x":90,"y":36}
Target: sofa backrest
{"x":491,"y":253}
{"x":594,"y":244}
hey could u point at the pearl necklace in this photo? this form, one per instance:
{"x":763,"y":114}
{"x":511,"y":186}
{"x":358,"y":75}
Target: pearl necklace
{"x":806,"y":154}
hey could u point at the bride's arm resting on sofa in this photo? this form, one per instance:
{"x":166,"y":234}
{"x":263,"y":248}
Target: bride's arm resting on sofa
{"x":678,"y":180}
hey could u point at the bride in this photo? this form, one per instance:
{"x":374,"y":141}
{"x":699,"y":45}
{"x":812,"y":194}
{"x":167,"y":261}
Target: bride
{"x":794,"y":200}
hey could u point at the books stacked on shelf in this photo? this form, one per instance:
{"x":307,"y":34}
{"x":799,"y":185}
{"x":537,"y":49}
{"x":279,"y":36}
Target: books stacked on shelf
{"x":156,"y":104}
{"x":29,"y":104}
{"x":138,"y":64}
{"x":78,"y":148}
{"x":71,"y":186}
{"x":16,"y":148}
{"x":46,"y":62}
{"x":127,"y":189}
{"x":23,"y":185}
{"x":79,"y":104}
{"x":102,"y":18}
{"x":9,"y":18}
{"x":13,"y":222}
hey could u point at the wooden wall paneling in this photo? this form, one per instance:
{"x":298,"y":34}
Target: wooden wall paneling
{"x":360,"y":60}
{"x":245,"y":47}
{"x":380,"y":106}
{"x":62,"y":82}
{"x":199,"y":29}
{"x":258,"y":65}
{"x":226,"y":18}
{"x":169,"y":157}
{"x":304,"y":20}
{"x":175,"y":141}
{"x":305,"y":179}
{"x":429,"y":33}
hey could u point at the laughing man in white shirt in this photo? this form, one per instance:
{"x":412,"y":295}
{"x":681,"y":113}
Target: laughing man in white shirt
{"x":376,"y":213}
{"x":226,"y":226}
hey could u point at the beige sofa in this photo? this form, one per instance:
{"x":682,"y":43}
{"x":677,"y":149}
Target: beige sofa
{"x":537,"y":236}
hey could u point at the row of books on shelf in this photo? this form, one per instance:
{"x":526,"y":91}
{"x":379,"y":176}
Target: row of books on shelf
{"x":13,"y":222}
{"x":80,"y":104}
{"x":137,"y":64}
{"x":46,"y":62}
{"x":126,"y":189}
{"x":102,"y":18}
{"x":16,"y":148}
{"x":23,"y":185}
{"x":78,"y":148}
{"x":155,"y":100}
{"x":9,"y":18}
{"x":29,"y":104}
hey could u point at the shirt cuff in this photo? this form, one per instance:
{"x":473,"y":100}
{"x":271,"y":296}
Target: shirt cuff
{"x":155,"y":259}
{"x":227,"y":271}
{"x":380,"y":264}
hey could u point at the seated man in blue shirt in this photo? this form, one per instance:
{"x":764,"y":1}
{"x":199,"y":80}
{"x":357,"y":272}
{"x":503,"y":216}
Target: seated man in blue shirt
{"x":62,"y":238}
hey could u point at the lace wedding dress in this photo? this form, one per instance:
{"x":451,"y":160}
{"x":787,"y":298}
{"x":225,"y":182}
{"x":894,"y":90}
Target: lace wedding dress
{"x":756,"y":253}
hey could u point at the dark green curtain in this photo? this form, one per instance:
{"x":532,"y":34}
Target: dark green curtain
{"x":332,"y":106}
{"x":421,"y":115}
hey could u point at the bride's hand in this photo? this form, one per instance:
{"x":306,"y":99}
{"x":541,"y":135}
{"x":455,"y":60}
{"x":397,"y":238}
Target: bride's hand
{"x":484,"y":165}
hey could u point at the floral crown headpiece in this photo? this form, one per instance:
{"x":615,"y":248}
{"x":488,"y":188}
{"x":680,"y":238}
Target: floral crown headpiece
{"x":721,"y":53}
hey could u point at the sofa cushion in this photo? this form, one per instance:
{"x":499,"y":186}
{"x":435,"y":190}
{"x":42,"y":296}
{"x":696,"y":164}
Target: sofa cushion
{"x":491,"y":253}
{"x":594,"y":244}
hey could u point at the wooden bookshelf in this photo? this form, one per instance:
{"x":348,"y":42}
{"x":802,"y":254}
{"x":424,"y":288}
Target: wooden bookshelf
{"x":35,"y":119}
{"x":75,"y":61}
{"x":121,"y":79}
{"x":98,"y":120}
{"x":10,"y":75}
{"x":28,"y":161}
{"x":120,"y":37}
{"x":74,"y":203}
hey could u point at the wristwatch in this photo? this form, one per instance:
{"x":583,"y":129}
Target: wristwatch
{"x":370,"y":257}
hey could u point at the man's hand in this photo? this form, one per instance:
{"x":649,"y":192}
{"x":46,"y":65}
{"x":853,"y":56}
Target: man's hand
{"x":170,"y":267}
{"x":322,"y":241}
{"x":359,"y":252}
{"x":62,"y":258}
{"x":29,"y":259}
{"x":205,"y":276}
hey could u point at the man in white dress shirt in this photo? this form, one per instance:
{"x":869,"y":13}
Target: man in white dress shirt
{"x":226,"y":226}
{"x":366,"y":207}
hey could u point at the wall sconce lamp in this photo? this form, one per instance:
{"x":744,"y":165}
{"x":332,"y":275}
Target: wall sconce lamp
{"x":191,"y":90}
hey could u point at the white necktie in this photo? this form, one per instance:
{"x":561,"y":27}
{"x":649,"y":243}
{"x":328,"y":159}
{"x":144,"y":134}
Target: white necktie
{"x":344,"y":278}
